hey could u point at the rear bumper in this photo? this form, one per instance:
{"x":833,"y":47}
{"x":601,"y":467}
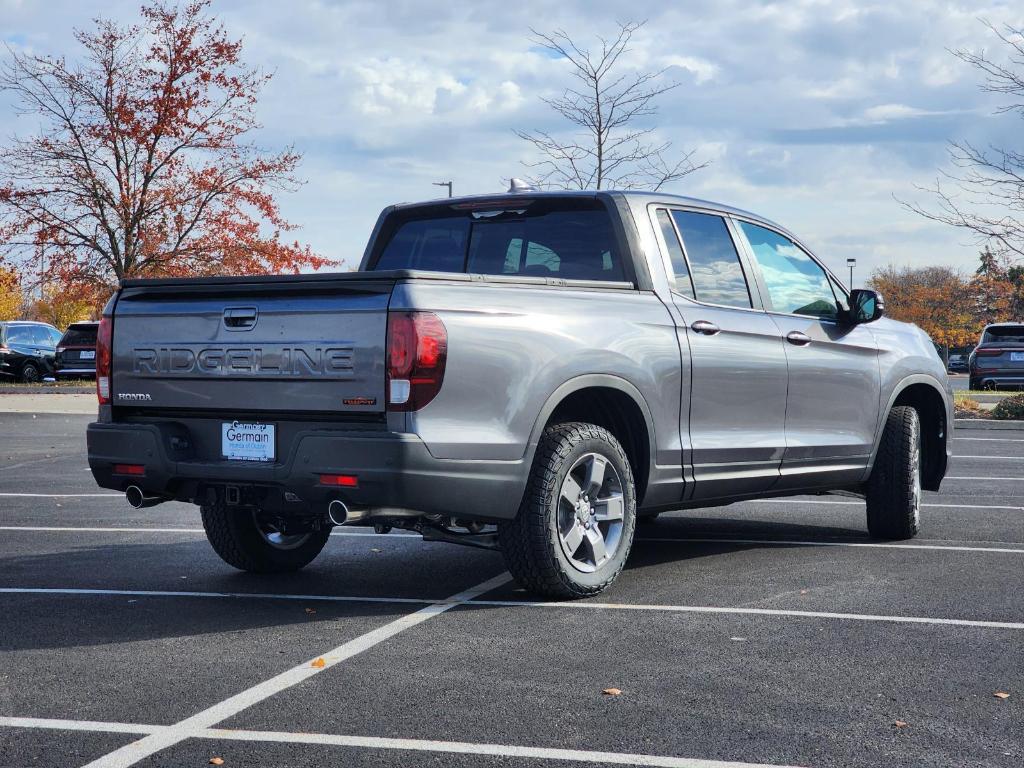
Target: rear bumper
{"x":1006,"y":378}
{"x":76,"y":371}
{"x":394,"y":471}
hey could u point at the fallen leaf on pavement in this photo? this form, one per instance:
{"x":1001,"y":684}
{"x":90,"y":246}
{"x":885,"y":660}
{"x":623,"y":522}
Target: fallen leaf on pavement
{"x":311,"y":610}
{"x":216,"y":761}
{"x":900,"y":724}
{"x":611,"y":692}
{"x":804,"y":591}
{"x":1001,"y":695}
{"x":318,"y":662}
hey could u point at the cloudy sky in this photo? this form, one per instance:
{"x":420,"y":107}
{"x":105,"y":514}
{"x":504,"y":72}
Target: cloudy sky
{"x":813,"y":113}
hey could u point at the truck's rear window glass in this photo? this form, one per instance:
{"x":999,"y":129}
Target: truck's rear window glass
{"x":572,"y":243}
{"x":714,"y":263}
{"x":1005,"y":334}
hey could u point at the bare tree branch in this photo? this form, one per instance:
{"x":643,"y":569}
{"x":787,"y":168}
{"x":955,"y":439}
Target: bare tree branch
{"x":609,"y":151}
{"x":983,"y":191}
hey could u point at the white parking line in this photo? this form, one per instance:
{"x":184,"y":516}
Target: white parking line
{"x":372,"y":742}
{"x":186,"y":594}
{"x":468,"y":748}
{"x":62,"y":495}
{"x":1009,"y":458}
{"x":676,"y":539}
{"x":993,"y":439}
{"x":795,"y":500}
{"x":132,"y":753}
{"x":697,"y":539}
{"x":117,"y":529}
{"x":473,"y":601}
{"x":94,"y":726}
{"x":818,"y":543}
{"x":757,"y":612}
{"x":1018,"y":479}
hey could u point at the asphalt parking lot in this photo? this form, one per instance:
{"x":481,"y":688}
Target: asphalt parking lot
{"x":760,"y":633}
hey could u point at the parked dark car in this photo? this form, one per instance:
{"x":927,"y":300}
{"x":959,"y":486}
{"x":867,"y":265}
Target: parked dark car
{"x":76,"y":351}
{"x":957,"y":363}
{"x":998,"y":360}
{"x":27,"y":350}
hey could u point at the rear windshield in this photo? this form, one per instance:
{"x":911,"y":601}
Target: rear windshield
{"x":573,"y":240}
{"x":1006,"y":334}
{"x":79,"y":336}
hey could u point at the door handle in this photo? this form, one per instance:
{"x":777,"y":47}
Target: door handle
{"x":798,"y":338}
{"x":706,"y":327}
{"x":240,"y":318}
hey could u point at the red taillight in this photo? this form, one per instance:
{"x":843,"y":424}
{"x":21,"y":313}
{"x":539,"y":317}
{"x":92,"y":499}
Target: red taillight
{"x":129,"y":469}
{"x":988,"y":352}
{"x":104,"y":337}
{"x":417,"y":351}
{"x":344,"y":481}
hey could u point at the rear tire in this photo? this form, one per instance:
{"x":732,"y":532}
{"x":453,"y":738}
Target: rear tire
{"x":894,"y":487}
{"x":575,"y":526}
{"x":242,"y":542}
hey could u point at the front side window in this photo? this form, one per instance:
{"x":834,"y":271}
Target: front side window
{"x":714,"y":263}
{"x":571,"y":240}
{"x":796,"y":284}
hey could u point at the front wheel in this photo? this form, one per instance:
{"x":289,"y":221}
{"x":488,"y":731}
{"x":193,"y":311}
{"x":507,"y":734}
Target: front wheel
{"x":894,"y":487}
{"x":31,"y":374}
{"x":252,"y":542}
{"x":575,"y":525}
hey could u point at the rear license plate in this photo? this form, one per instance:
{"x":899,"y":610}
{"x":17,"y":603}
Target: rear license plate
{"x":90,"y":355}
{"x":1017,"y":357}
{"x":251,"y":441}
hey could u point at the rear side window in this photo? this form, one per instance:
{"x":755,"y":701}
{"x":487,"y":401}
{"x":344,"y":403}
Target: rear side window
{"x":1005,"y":334}
{"x":675,"y":253}
{"x":21,"y":334}
{"x":572,"y":241}
{"x":714,"y":263}
{"x":79,"y":336}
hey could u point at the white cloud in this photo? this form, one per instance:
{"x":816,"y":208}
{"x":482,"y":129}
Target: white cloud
{"x":701,"y":69}
{"x":385,"y":98}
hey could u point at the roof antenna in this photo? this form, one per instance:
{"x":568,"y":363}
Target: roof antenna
{"x":518,"y":185}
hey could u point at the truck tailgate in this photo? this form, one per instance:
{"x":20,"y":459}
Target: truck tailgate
{"x":254,"y":344}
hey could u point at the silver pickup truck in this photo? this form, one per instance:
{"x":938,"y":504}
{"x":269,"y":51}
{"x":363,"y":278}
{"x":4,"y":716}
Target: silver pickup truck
{"x":530,"y":372}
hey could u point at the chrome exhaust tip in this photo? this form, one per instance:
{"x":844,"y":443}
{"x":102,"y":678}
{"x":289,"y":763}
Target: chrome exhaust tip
{"x":337,"y":512}
{"x":138,"y":499}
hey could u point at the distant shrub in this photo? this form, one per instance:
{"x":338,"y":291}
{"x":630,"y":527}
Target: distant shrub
{"x":1009,"y":408}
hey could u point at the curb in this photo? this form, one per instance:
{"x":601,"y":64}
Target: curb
{"x":987,"y":424}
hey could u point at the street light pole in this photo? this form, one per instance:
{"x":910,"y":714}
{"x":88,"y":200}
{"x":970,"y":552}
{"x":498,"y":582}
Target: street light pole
{"x":851,"y":263}
{"x":444,"y":184}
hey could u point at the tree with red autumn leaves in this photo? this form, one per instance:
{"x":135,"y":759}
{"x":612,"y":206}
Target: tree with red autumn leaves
{"x":143,"y":166}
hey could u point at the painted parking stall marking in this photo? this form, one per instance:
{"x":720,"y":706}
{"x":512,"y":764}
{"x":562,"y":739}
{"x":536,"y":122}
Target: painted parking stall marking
{"x":132,"y":753}
{"x":405,"y":745}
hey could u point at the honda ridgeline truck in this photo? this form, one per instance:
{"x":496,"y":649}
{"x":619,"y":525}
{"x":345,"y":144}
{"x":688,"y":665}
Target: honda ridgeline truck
{"x":530,"y":372}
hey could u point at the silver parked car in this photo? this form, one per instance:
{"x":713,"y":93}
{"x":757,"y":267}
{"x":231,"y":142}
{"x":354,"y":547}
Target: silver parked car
{"x":530,"y":372}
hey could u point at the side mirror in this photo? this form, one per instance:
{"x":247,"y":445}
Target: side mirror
{"x":865,"y":306}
